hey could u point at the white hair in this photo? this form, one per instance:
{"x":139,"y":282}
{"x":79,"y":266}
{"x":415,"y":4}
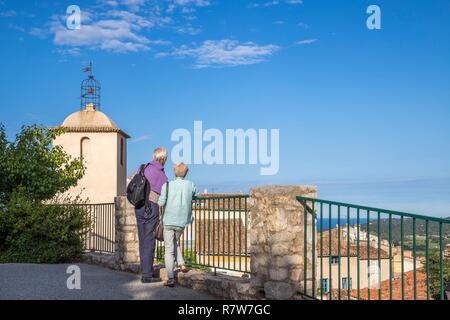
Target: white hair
{"x":181,"y":170}
{"x":159,"y":154}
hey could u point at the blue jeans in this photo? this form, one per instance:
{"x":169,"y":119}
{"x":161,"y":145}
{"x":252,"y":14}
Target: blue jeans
{"x":171,"y":241}
{"x":147,"y":219}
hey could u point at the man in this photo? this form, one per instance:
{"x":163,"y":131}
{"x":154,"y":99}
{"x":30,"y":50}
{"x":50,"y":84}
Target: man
{"x":147,"y":217}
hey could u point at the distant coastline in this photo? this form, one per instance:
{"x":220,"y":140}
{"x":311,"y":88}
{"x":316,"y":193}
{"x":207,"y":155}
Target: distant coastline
{"x":422,"y":196}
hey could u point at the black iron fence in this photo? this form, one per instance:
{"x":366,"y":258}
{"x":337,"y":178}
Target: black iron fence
{"x":101,"y":236}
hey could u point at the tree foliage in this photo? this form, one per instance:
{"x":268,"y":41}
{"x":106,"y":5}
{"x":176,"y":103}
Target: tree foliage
{"x":3,"y":146}
{"x":33,"y":165}
{"x":435,"y":274}
{"x":33,"y":227}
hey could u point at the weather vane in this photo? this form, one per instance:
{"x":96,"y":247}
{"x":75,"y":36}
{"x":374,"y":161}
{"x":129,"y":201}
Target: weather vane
{"x":88,"y":69}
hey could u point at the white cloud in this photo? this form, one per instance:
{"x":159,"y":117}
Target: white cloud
{"x":306,"y":41}
{"x":224,"y":53}
{"x":197,"y":3}
{"x":69,"y":51}
{"x":140,"y":139}
{"x":271,"y":3}
{"x":133,"y":5}
{"x":8,"y":14}
{"x":160,"y":42}
{"x":303,"y":25}
{"x":186,"y":7}
{"x":264,"y":4}
{"x":187,"y":10}
{"x":188,"y":30}
{"x":122,"y":26}
{"x":123,"y":46}
{"x":35,"y":32}
{"x":112,"y":3}
{"x":16,"y":27}
{"x":114,"y":30}
{"x":38,"y":32}
{"x":117,"y":35}
{"x":135,"y":20}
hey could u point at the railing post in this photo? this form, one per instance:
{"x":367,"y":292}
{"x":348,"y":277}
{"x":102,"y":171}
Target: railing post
{"x":277,"y":240}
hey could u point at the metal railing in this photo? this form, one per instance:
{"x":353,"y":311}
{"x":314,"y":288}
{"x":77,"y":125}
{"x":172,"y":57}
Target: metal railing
{"x":366,"y":253}
{"x":219,"y":236}
{"x":101,"y":236}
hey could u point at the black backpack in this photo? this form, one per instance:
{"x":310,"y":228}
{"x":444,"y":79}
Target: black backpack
{"x":138,"y":189}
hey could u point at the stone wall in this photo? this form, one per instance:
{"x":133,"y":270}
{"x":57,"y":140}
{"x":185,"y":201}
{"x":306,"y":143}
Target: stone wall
{"x":277,"y":256}
{"x":277,"y":226}
{"x":221,"y":286}
{"x":126,"y":256}
{"x":127,"y":244}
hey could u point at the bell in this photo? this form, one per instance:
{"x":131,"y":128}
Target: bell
{"x":91,"y":90}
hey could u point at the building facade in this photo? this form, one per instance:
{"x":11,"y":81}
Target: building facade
{"x":92,"y":136}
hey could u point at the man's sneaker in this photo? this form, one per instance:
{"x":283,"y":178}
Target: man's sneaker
{"x":170,"y":283}
{"x":150,"y":280}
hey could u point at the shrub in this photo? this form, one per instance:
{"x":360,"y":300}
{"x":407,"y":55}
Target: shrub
{"x":435,"y":282}
{"x":42,"y":233}
{"x":33,"y":228}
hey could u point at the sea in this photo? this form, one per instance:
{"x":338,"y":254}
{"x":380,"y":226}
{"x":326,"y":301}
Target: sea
{"x":335,"y":222}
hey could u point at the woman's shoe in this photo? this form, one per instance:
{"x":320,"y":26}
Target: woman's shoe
{"x":170,"y":283}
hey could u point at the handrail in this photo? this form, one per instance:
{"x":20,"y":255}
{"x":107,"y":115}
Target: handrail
{"x":355,"y":206}
{"x":376,"y":250}
{"x":220,"y":197}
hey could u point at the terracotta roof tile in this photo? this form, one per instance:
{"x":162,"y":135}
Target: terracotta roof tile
{"x":324,"y":250}
{"x":421,"y":288}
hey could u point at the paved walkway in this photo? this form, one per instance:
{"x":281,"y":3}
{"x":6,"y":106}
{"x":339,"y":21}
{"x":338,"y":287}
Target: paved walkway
{"x":33,"y":281}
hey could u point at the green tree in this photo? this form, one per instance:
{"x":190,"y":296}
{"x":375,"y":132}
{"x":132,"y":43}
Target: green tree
{"x":32,"y":164}
{"x":3,"y":146}
{"x":434,"y":276}
{"x":34,"y":227}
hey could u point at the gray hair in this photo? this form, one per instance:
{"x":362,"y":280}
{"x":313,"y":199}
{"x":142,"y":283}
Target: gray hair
{"x":159,"y":154}
{"x":181,"y":170}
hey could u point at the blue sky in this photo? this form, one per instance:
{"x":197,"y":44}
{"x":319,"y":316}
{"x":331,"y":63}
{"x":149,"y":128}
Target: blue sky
{"x":362,"y":113}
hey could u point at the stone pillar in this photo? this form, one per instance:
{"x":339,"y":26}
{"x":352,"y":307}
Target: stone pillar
{"x":127,"y":245}
{"x":277,"y":240}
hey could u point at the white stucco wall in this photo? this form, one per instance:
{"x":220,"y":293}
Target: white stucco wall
{"x":105,"y":176}
{"x":364,"y":271}
{"x":121,"y":166}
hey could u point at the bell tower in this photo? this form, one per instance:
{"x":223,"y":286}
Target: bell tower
{"x":92,"y":136}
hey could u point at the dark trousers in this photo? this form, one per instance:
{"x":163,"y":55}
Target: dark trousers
{"x":147,"y":220}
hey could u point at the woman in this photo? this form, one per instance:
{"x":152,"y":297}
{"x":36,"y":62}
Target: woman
{"x":176,"y":196}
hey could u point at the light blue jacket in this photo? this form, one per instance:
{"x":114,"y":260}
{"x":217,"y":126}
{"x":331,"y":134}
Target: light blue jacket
{"x":178,"y":211}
